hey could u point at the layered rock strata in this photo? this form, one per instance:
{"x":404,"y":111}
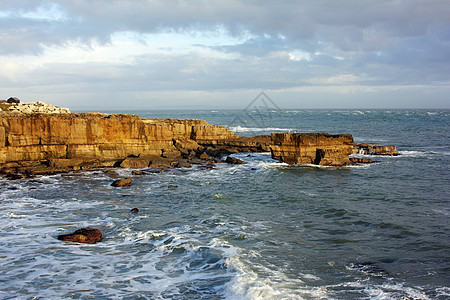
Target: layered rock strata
{"x":46,"y":144}
{"x":69,"y":140}
{"x":312,"y":148}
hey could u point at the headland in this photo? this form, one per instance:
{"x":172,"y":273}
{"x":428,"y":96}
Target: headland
{"x":46,"y":143}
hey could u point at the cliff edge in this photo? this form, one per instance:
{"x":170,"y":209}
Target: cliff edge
{"x":72,"y":139}
{"x":43,"y":143}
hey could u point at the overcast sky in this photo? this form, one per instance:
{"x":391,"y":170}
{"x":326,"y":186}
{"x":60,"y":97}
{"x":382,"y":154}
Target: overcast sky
{"x":89,"y":54}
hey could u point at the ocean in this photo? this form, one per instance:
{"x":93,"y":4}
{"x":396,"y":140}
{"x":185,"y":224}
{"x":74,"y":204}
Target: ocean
{"x":260,"y":230}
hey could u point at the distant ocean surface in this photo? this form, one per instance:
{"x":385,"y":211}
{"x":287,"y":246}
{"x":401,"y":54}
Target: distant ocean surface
{"x":260,"y":230}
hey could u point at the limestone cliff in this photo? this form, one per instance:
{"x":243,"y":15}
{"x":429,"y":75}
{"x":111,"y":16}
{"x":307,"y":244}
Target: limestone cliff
{"x":33,"y":143}
{"x":94,"y":136}
{"x":312,"y":148}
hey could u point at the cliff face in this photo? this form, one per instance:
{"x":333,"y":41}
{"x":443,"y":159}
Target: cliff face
{"x":312,"y":148}
{"x":70,"y":141}
{"x":95,"y":136}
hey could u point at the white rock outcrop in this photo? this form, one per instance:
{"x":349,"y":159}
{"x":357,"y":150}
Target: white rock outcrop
{"x":38,"y":107}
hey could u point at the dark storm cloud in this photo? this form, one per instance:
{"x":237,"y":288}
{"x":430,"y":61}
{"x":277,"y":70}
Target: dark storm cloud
{"x":350,"y":26}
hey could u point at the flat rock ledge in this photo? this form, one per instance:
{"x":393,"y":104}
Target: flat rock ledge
{"x":374,"y":149}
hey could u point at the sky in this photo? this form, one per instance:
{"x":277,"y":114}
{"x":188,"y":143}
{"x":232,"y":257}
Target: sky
{"x":174,"y":54}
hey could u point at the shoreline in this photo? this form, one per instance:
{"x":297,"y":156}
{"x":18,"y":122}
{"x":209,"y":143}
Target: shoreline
{"x":38,"y":143}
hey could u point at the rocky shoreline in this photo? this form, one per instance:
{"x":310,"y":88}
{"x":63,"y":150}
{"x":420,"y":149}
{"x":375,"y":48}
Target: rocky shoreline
{"x":40,"y":143}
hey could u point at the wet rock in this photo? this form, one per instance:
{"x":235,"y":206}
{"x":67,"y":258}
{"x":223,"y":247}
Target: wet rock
{"x":134,"y":210}
{"x":358,"y":160}
{"x":233,"y":160}
{"x":195,"y":161}
{"x":15,"y":176}
{"x":160,"y":163}
{"x":110,"y":172}
{"x":373,"y":149}
{"x":84,"y":235}
{"x":204,"y":156}
{"x":122,"y":182}
{"x":135,"y":172}
{"x":172,"y":186}
{"x":181,"y":164}
{"x":135,"y":163}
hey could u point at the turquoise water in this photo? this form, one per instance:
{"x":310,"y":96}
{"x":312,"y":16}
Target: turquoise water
{"x":261,"y":230}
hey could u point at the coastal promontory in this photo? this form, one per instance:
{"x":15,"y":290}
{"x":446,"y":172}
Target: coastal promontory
{"x":37,"y":143}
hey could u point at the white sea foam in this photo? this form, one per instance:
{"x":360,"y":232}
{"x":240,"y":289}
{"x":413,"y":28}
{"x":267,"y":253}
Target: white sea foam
{"x":274,"y":284}
{"x":151,"y":263}
{"x":412,"y":153}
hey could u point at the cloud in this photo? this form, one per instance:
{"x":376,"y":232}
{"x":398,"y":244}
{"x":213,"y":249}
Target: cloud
{"x":128,"y":48}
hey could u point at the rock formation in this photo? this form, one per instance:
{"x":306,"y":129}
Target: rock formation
{"x":84,"y":235}
{"x":373,"y":149}
{"x":312,"y":148}
{"x":358,"y":160}
{"x":73,"y":141}
{"x":51,"y":143}
{"x":122,"y":182}
{"x":36,"y":107}
{"x":233,"y":160}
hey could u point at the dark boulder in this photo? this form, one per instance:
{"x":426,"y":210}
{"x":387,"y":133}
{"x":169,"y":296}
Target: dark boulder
{"x":233,"y":160}
{"x":181,"y":164}
{"x":84,"y":235}
{"x":122,"y":182}
{"x":135,"y":210}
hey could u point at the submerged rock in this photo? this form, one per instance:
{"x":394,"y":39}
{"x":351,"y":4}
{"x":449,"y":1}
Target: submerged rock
{"x":135,"y":172}
{"x":122,"y":182}
{"x":84,"y":235}
{"x":233,"y":160}
{"x":181,"y":164}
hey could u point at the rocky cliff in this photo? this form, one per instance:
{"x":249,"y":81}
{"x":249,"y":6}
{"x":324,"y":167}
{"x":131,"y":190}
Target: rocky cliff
{"x":312,"y":148}
{"x":72,"y":139}
{"x":37,"y":143}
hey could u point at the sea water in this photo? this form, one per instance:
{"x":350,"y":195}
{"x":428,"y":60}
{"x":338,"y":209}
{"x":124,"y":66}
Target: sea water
{"x":259,"y":230}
